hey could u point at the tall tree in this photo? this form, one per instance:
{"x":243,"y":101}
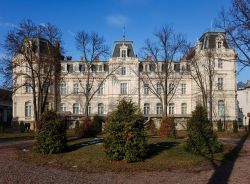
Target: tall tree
{"x":34,"y":61}
{"x":236,"y":23}
{"x":162,"y":78}
{"x":93,"y":47}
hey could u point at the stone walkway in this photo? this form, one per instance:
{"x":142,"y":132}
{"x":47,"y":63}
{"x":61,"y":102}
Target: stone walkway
{"x":14,"y":171}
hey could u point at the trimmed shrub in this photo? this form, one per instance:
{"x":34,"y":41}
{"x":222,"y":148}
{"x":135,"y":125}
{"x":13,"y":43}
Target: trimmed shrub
{"x":219,"y":126}
{"x":22,"y":127}
{"x":77,"y":127}
{"x":167,"y":128}
{"x":86,"y":129}
{"x":201,"y":138}
{"x":235,"y":126}
{"x":51,"y":136}
{"x":124,"y":136}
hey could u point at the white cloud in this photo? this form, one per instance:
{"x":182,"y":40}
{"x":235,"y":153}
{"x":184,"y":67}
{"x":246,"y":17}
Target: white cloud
{"x":117,"y":20}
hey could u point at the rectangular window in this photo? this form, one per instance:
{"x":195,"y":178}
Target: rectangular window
{"x":220,"y":83}
{"x":81,"y":67}
{"x":158,"y":88}
{"x":100,"y":68}
{"x":124,"y":53}
{"x":158,"y":109}
{"x":171,"y":88}
{"x":75,"y":88}
{"x":123,"y":88}
{"x":28,"y":87}
{"x":183,"y":108}
{"x":146,"y":89}
{"x":183,"y":89}
{"x":100,"y":89}
{"x":171,"y":108}
{"x":63,"y":89}
{"x":123,"y":70}
{"x":220,"y":63}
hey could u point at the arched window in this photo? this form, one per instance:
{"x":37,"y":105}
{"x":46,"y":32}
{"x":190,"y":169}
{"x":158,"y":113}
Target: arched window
{"x":63,"y":107}
{"x":221,"y":108}
{"x":146,"y":109}
{"x":100,"y":109}
{"x":28,"y":109}
{"x":76,"y":108}
{"x":158,"y":109}
{"x":171,"y":108}
{"x":100,"y":89}
{"x":183,"y":108}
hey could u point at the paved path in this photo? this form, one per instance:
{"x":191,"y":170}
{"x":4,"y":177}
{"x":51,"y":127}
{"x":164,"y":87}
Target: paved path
{"x":15,"y":171}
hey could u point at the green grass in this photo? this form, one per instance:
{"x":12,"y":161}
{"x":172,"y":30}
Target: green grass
{"x":163,"y":154}
{"x":14,"y":136}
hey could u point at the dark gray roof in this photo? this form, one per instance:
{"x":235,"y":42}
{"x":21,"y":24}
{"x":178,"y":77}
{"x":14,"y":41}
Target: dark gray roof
{"x":118,"y":44}
{"x":208,"y":40}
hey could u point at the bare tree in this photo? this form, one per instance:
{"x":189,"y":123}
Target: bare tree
{"x":92,"y":47}
{"x":35,"y":55}
{"x":203,"y":73}
{"x":236,"y":23}
{"x":163,"y":77}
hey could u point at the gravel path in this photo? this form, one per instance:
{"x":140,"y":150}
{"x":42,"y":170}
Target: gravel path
{"x":14,"y":171}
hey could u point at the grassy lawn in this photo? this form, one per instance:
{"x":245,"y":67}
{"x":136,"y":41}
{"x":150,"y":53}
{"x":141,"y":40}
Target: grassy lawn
{"x":163,"y":154}
{"x":15,"y":135}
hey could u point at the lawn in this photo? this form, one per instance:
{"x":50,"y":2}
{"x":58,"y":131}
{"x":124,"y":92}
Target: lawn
{"x":15,"y":136}
{"x":88,"y":155}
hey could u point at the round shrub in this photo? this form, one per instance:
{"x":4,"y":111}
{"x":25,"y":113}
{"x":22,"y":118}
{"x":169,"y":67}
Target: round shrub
{"x":167,"y":127}
{"x":201,"y":138}
{"x":124,"y":136}
{"x":150,"y":127}
{"x":51,"y":136}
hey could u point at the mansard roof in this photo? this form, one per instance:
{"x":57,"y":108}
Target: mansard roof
{"x":208,"y":40}
{"x":130,"y":50}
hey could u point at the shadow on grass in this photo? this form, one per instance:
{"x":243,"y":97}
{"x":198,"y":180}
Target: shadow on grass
{"x":223,"y":171}
{"x":82,"y":144}
{"x":158,"y":147}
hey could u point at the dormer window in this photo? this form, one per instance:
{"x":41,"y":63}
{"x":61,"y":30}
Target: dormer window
{"x":124,"y":54}
{"x":219,"y":45}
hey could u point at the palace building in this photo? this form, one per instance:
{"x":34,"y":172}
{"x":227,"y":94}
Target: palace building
{"x":125,"y":75}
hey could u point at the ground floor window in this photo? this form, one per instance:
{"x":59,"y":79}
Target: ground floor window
{"x":28,"y":109}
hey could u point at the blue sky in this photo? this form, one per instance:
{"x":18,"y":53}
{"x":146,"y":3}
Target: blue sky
{"x":107,"y":17}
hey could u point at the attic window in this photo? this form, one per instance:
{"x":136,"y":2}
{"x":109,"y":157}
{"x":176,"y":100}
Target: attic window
{"x":219,"y":45}
{"x":124,"y":54}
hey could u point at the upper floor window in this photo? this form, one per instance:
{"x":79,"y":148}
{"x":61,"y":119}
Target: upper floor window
{"x":146,"y":109}
{"x":75,"y":108}
{"x":28,"y":87}
{"x":221,"y":108}
{"x":89,"y":109}
{"x":146,"y":89}
{"x":100,"y":68}
{"x":100,"y":89}
{"x":158,"y":88}
{"x":100,"y":109}
{"x":220,"y":63}
{"x":220,"y":83}
{"x":75,"y":88}
{"x":183,"y":89}
{"x":183,"y":108}
{"x":124,"y":54}
{"x":123,"y":88}
{"x":171,"y":88}
{"x":28,"y":109}
{"x":158,"y":109}
{"x":123,"y":70}
{"x":70,"y":68}
{"x":46,"y":87}
{"x":81,"y":67}
{"x":63,"y":89}
{"x":171,"y":108}
{"x":219,"y":44}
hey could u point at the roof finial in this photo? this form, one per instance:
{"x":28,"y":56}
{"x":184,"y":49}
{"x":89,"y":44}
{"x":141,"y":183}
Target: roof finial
{"x":123,"y":36}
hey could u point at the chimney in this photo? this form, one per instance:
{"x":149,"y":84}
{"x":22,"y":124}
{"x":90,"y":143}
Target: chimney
{"x":96,"y":58}
{"x":149,"y":58}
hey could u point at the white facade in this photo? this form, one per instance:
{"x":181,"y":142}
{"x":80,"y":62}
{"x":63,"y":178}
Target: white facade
{"x":243,"y":97}
{"x":120,"y":76}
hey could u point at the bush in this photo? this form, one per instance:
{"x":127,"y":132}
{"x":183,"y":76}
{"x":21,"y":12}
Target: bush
{"x":167,"y":128}
{"x":51,"y":136}
{"x":86,"y":129}
{"x":97,"y":123}
{"x":22,"y":127}
{"x":124,"y":136}
{"x":235,"y":126}
{"x":150,"y":127}
{"x":77,"y":127}
{"x":219,"y":126}
{"x":201,"y":138}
